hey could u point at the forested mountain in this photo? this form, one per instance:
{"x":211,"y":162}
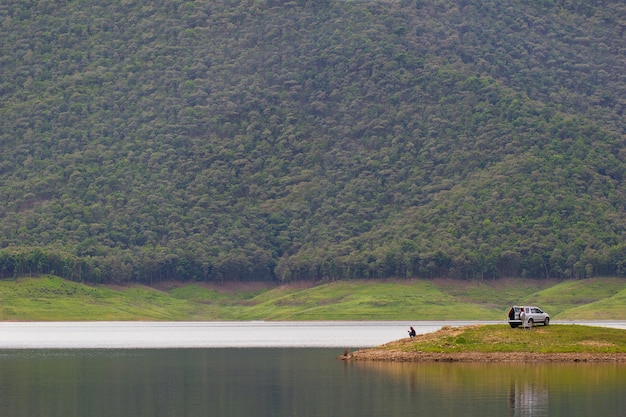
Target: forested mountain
{"x":274,"y":140}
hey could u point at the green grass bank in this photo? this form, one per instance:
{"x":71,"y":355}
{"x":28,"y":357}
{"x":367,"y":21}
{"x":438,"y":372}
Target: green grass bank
{"x":501,"y":338}
{"x":500,"y":343}
{"x":50,"y":298}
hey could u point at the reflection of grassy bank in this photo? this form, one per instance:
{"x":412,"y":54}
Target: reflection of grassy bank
{"x":50,"y":298}
{"x":443,"y":377}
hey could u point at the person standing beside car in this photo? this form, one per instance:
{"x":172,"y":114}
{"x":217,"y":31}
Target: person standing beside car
{"x":522,"y":316}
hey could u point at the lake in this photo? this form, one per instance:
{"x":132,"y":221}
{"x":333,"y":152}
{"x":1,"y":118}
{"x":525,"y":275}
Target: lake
{"x":278,"y":381}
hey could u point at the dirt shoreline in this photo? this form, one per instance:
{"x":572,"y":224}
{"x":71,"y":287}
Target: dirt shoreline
{"x":381,"y":355}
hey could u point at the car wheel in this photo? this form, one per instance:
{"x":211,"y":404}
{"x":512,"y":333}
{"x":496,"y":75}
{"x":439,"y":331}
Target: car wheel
{"x":514,"y":325}
{"x":547,"y":321}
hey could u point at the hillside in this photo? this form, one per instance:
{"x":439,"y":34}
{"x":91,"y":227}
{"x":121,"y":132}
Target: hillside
{"x":269,"y":140}
{"x":50,"y":298}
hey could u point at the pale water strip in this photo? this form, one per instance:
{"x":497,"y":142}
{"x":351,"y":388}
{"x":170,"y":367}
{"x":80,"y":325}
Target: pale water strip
{"x":249,"y":334}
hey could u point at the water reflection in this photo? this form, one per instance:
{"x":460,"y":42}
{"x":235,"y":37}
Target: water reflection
{"x":513,"y":389}
{"x":527,"y":399}
{"x":294,"y":383}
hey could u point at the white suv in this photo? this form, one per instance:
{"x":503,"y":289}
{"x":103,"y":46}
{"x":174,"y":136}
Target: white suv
{"x":532,"y":315}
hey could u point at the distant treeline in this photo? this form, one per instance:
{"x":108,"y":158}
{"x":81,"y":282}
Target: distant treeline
{"x":155,"y":267}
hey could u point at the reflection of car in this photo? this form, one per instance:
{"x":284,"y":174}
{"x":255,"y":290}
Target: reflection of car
{"x":533,"y":315}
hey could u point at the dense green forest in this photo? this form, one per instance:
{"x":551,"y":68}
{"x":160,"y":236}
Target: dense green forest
{"x":312,"y":140}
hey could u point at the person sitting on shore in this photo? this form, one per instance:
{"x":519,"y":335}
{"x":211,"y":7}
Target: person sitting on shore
{"x":412,"y":332}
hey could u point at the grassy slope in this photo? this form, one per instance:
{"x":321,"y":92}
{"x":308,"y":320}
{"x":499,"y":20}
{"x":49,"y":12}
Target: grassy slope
{"x":604,"y":309}
{"x":417,"y":300}
{"x":51,"y":298}
{"x":578,"y":299}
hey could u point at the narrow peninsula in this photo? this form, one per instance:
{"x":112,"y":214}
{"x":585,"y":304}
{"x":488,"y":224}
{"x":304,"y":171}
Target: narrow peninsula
{"x":500,"y":343}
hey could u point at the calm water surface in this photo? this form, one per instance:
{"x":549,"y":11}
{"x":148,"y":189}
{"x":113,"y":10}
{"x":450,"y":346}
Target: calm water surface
{"x":292,"y":382}
{"x":274,"y":369}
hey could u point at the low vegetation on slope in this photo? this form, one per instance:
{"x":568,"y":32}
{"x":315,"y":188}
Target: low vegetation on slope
{"x":52,"y":298}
